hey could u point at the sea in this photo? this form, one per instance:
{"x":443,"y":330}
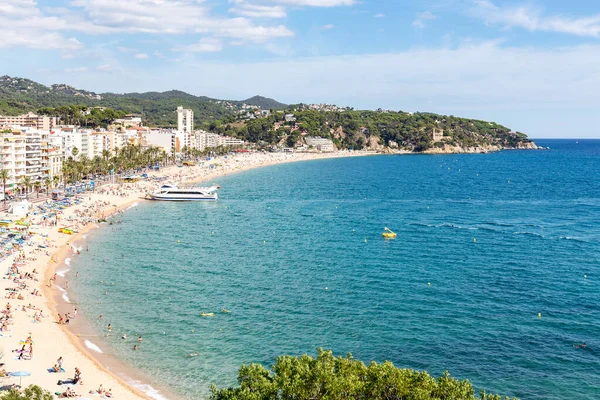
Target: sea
{"x":494,"y":274}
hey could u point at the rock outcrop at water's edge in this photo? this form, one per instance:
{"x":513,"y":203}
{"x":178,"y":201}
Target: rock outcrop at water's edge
{"x":448,"y":149}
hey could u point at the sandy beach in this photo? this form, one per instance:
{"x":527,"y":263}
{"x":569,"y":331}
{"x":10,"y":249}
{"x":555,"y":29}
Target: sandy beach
{"x":41,"y":327}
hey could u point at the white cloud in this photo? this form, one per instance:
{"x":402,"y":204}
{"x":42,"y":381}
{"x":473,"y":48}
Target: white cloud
{"x":175,"y":17}
{"x":205,"y":45}
{"x":105,"y":67}
{"x":422,"y":18}
{"x":258,"y":11}
{"x":123,"y":49}
{"x":533,"y":19}
{"x":314,"y":3}
{"x":141,"y":56}
{"x":328,"y":27}
{"x":76,"y":70}
{"x":380,"y":15}
{"x":23,"y":25}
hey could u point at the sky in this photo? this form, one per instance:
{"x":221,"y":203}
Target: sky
{"x":531,"y":65}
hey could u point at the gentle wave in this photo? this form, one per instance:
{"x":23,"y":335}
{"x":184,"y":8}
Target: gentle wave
{"x":64,"y":296}
{"x":62,"y":272}
{"x":148,"y":390}
{"x":68,"y":261}
{"x":92,"y":346}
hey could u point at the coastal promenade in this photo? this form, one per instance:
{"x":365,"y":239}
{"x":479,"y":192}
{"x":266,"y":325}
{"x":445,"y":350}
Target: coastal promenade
{"x":42,"y":328}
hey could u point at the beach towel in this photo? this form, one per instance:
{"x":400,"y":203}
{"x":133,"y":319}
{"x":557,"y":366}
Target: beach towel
{"x":52,"y":371}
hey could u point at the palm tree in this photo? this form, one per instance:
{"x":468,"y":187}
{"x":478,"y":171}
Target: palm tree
{"x":26,"y":184}
{"x":56,"y":180}
{"x":37,"y":185}
{"x":47,"y":184}
{"x":4,"y":175}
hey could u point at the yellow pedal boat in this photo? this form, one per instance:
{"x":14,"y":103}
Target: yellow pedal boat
{"x":388,"y":234}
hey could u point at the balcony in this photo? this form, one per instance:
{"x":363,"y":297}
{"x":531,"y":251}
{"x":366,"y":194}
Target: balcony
{"x":34,"y":171}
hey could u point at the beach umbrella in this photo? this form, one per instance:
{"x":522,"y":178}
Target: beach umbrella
{"x":20,"y":374}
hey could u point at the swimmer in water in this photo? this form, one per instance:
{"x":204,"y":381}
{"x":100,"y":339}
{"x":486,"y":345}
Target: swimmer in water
{"x":135,"y":347}
{"x":580,"y":346}
{"x":140,"y":338}
{"x":109,"y":327}
{"x":124,"y":336}
{"x":193,"y":355}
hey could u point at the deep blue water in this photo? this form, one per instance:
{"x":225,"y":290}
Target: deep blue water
{"x":500,"y":238}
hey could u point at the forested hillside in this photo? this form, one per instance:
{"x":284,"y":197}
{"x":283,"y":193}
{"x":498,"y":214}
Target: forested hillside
{"x":372,"y":129}
{"x":378,"y":130}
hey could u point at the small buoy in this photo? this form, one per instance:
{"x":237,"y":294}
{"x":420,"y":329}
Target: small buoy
{"x":585,"y":277}
{"x":213,"y":233}
{"x":365,"y":240}
{"x":474,"y":240}
{"x":264,"y":242}
{"x":428,"y":283}
{"x":539,"y":315}
{"x":353,"y":230}
{"x":179,"y":241}
{"x":192,"y":330}
{"x":164,"y":333}
{"x":326,"y":288}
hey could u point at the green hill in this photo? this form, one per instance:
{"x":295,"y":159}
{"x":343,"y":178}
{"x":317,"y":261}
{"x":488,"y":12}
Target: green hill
{"x":265,"y":103}
{"x":19,"y":95}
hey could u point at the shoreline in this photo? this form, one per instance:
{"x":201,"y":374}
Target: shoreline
{"x":103,"y":368}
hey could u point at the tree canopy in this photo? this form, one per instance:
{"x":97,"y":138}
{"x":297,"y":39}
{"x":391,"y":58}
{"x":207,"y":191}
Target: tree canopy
{"x":32,"y":392}
{"x":328,"y":377}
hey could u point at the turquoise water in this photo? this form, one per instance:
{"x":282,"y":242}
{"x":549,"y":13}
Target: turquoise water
{"x":499,"y":237}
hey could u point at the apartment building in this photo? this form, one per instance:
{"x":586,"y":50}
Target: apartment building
{"x":29,"y":120}
{"x":24,"y":154}
{"x":319,"y":143}
{"x":185,"y":120}
{"x":206,"y":140}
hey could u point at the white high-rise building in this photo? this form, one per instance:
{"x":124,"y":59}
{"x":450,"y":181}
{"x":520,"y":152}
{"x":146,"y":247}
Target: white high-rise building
{"x":185,"y":120}
{"x":25,"y":154}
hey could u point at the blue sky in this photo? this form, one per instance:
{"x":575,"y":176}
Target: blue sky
{"x":531,"y":65}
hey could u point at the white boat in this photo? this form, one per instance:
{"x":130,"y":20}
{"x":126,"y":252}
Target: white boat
{"x":191,"y":193}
